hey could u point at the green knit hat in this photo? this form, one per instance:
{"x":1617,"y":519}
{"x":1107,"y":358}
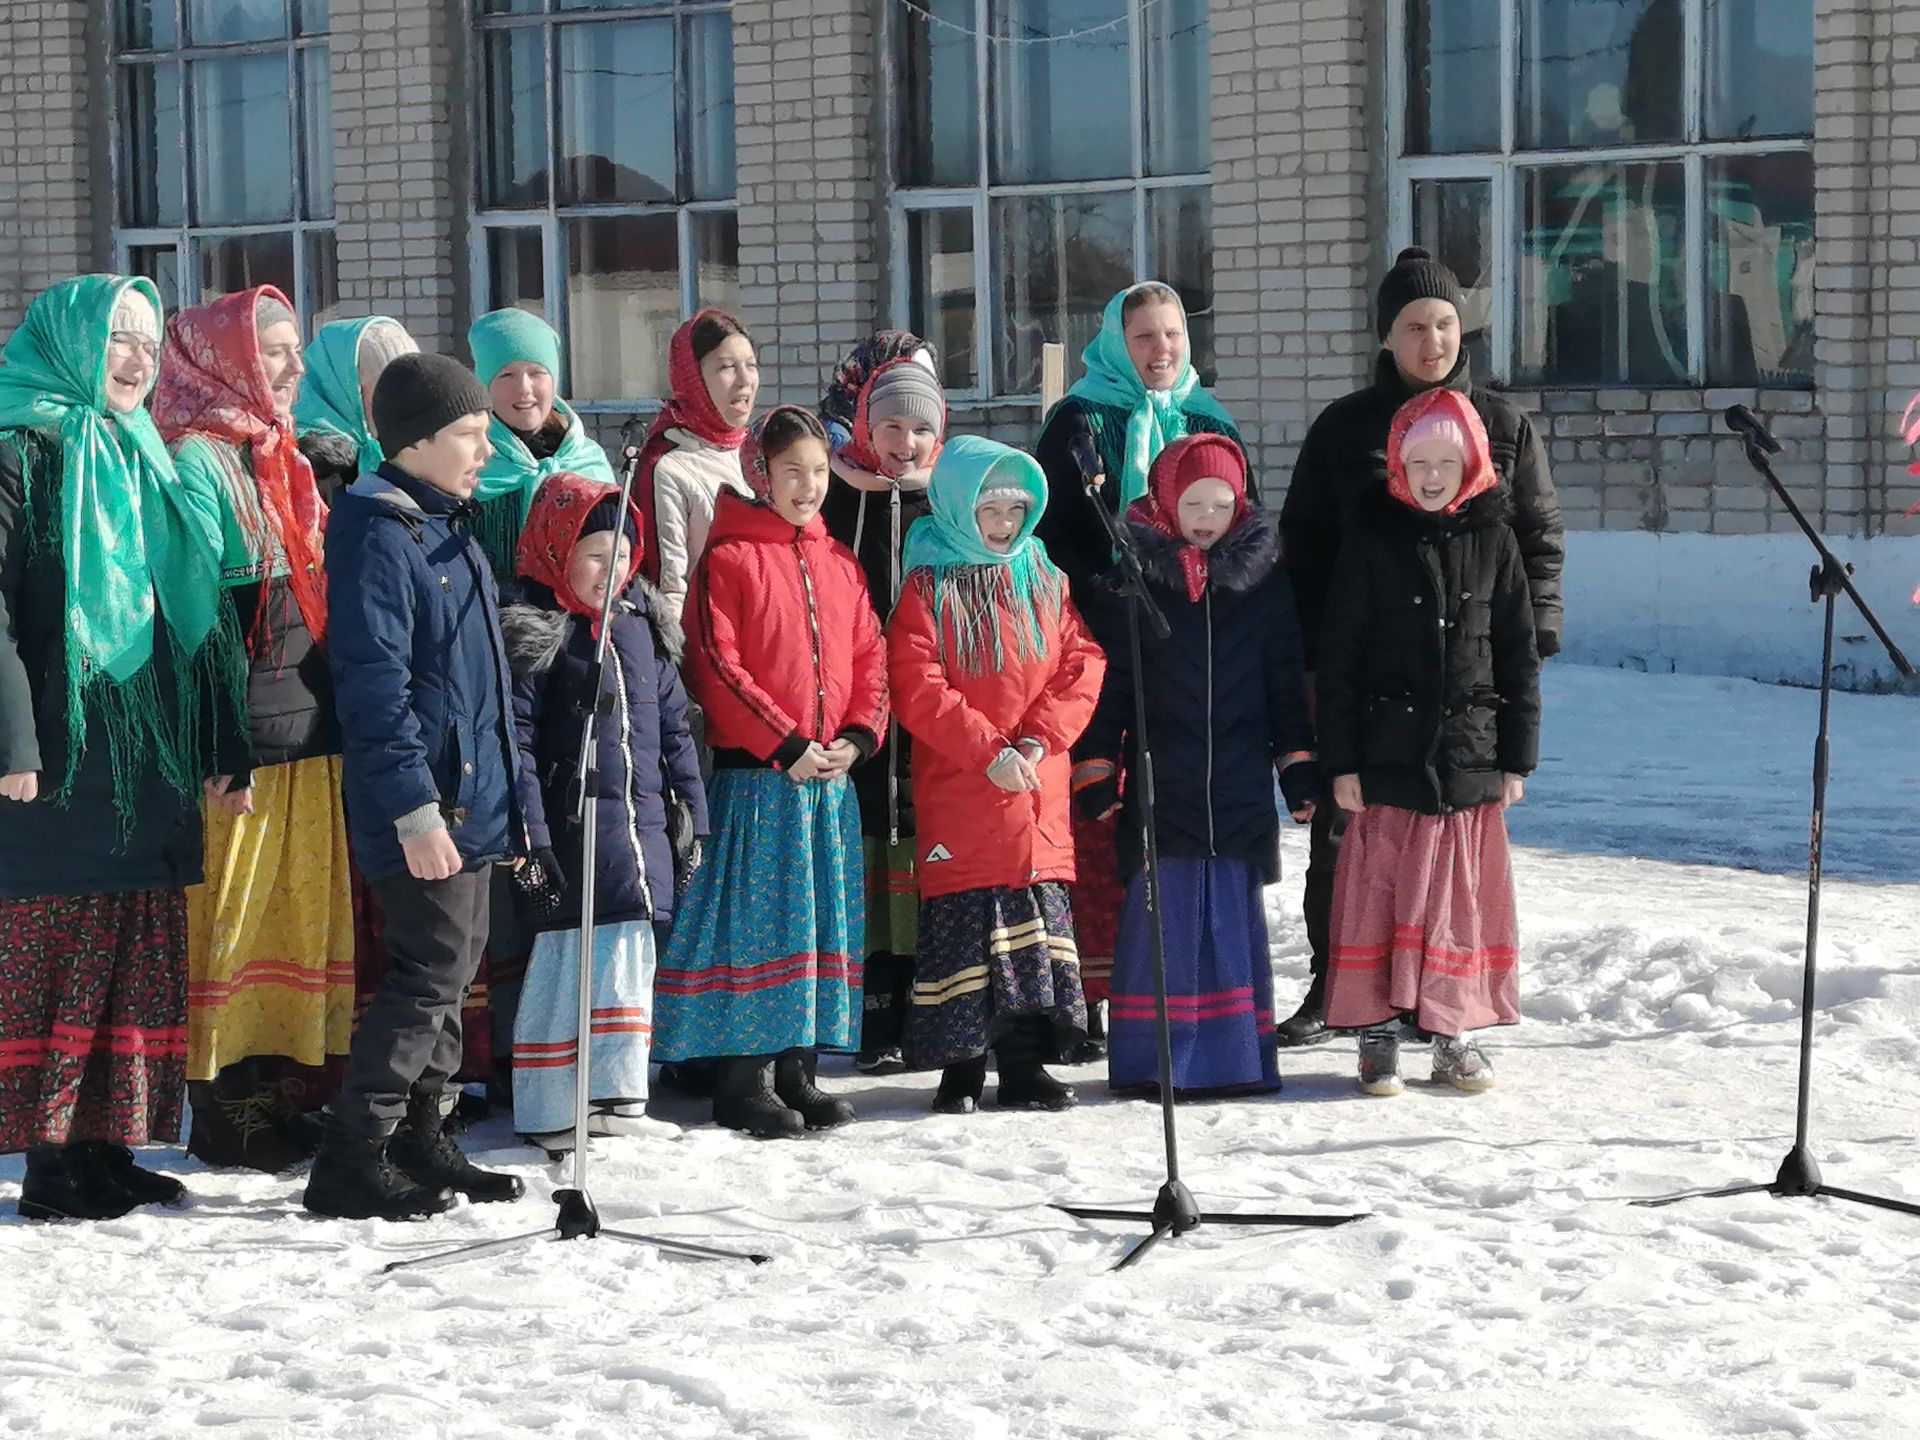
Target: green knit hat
{"x":504,"y":337}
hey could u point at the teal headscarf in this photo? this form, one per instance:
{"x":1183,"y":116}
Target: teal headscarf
{"x":970,"y":579}
{"x":140,"y":544}
{"x":330,"y":395}
{"x":1156,"y":418}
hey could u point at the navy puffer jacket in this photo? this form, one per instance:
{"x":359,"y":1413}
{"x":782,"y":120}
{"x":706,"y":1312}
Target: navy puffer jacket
{"x":1226,"y":702}
{"x":644,"y":747}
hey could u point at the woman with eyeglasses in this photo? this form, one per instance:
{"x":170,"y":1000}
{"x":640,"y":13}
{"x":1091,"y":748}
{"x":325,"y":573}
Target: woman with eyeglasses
{"x":120,"y":698}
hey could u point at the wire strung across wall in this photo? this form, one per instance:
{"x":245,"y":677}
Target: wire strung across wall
{"x":1037,"y":38}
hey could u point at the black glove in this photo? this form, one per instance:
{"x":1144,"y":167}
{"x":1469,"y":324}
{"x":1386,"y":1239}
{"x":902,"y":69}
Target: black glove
{"x":549,"y":864}
{"x":1096,"y":798}
{"x":685,"y":865}
{"x":1301,"y":785}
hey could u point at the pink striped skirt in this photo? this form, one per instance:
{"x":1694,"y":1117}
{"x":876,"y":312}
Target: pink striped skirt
{"x":1424,"y":922}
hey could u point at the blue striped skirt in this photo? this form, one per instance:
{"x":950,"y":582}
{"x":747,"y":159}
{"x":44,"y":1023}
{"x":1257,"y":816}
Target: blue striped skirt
{"x":768,"y":940}
{"x":544,"y":1030}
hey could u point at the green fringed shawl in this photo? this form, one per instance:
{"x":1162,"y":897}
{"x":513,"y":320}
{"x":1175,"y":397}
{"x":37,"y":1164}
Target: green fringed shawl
{"x":510,"y":479}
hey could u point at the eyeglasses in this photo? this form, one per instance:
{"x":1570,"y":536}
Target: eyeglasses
{"x":126,"y":344}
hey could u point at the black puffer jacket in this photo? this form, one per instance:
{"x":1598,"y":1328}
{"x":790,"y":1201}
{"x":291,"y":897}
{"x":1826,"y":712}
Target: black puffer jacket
{"x":644,"y":746}
{"x":1429,"y":682}
{"x":1225,"y":699}
{"x":1339,"y":469}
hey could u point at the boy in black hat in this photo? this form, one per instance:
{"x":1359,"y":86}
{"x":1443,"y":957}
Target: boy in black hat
{"x":430,"y":759}
{"x":1343,"y":460}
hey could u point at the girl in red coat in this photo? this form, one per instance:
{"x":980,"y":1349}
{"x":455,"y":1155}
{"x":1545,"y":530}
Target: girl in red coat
{"x":785,"y":656}
{"x":995,"y":677}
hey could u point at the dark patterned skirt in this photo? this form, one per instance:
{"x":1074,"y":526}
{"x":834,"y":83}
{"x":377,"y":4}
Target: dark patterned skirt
{"x":986,"y":958}
{"x":1097,"y":896}
{"x":93,"y":1018}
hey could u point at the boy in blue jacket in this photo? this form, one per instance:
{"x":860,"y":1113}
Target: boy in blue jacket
{"x":425,"y":706}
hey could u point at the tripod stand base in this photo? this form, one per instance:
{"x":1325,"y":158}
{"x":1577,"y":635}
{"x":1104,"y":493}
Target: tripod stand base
{"x":1175,"y":1212}
{"x":1798,"y":1178}
{"x":575,"y":1219}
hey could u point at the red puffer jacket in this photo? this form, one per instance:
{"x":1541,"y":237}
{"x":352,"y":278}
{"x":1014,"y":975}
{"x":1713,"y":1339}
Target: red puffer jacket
{"x":972,"y":834}
{"x":783,"y":646}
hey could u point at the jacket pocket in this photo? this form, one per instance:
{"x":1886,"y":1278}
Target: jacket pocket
{"x":1391,"y":732}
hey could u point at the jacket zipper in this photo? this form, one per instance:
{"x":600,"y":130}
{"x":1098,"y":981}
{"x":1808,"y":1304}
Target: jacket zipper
{"x":626,"y":783}
{"x":819,"y":665}
{"x":1208,"y":601}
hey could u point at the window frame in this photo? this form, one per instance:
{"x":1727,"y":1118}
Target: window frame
{"x":1504,"y":171}
{"x":186,"y":237}
{"x":551,"y":217}
{"x":979,"y":197}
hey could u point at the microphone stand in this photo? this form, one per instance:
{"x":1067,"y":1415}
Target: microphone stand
{"x":576,"y":1217}
{"x":1175,"y":1211}
{"x":1799,"y":1173}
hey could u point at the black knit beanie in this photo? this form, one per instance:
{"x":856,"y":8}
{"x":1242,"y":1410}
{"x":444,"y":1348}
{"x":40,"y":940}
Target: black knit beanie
{"x":417,"y":396}
{"x":608,"y":515}
{"x":1415,"y":275}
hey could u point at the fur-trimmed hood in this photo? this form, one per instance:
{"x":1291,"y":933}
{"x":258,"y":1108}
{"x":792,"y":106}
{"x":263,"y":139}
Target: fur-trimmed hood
{"x":534,"y":624}
{"x":1241,"y":559}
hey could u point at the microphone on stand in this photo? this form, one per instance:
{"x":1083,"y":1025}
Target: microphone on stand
{"x":634,"y":422}
{"x":1744,"y":423}
{"x":1086,"y":458}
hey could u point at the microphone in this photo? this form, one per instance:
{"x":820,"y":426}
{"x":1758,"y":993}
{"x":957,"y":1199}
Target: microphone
{"x":1744,"y":423}
{"x":634,"y":422}
{"x":1085,"y":457}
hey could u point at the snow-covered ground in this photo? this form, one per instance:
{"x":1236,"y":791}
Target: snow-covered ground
{"x":923,"y":1288}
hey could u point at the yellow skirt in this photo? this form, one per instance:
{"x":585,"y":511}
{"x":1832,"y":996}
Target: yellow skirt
{"x":270,"y":933}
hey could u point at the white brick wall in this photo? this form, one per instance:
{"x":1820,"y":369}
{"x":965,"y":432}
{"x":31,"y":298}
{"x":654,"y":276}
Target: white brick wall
{"x":47,"y":194}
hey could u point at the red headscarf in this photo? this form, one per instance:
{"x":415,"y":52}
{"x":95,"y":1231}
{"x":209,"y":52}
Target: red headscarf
{"x":560,"y":508}
{"x":213,"y":383}
{"x":1192,"y":458}
{"x":691,"y":407}
{"x":1449,"y":407}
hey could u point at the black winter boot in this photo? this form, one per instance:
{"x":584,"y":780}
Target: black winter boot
{"x":743,"y":1100}
{"x":795,"y":1077}
{"x":301,"y":1128}
{"x":1024,"y":1082}
{"x":960,"y":1087}
{"x":117,"y":1165}
{"x":1093,"y":1049}
{"x":1308,"y":1024}
{"x":353,"y":1179}
{"x":62,"y":1184}
{"x":233,"y":1123}
{"x":698,"y":1078}
{"x":424,"y":1151}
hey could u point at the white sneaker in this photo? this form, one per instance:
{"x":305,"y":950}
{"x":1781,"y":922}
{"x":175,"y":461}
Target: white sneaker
{"x":1380,"y":1063}
{"x":1462,"y":1064}
{"x":634,"y":1121}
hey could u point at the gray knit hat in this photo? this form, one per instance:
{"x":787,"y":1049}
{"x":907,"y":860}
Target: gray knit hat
{"x":418,"y":396}
{"x":907,"y":390}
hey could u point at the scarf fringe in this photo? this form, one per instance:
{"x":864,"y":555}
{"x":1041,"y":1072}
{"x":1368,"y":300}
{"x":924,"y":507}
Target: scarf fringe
{"x":967,"y":601}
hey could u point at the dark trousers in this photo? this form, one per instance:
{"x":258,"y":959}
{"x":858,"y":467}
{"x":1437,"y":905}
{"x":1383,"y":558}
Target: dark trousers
{"x":1323,"y":855}
{"x":408,"y":1041}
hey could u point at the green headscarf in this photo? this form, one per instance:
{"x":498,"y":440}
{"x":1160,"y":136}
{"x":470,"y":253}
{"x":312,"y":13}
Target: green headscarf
{"x":138,"y":542}
{"x":1156,"y":418}
{"x":330,"y":394}
{"x":970,"y":578}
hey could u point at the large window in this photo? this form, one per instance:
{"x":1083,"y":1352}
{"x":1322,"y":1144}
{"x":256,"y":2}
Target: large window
{"x":1048,"y":153}
{"x":223,"y":148}
{"x":1625,"y":187}
{"x":605,"y":177}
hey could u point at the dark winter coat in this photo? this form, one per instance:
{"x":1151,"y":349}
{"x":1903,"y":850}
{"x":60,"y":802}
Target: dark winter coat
{"x":78,"y":847}
{"x":1429,"y":681}
{"x":420,"y":673}
{"x":1226,"y":701}
{"x":1075,"y":539}
{"x":1339,"y":470}
{"x":290,"y":706}
{"x":643,"y":746}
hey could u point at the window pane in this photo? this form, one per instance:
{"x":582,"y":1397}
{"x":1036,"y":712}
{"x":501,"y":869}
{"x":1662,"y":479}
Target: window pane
{"x":240,"y":262}
{"x":623,"y":303}
{"x":939,"y":142}
{"x":152,"y":191}
{"x":509,"y":7}
{"x":314,"y":17}
{"x":941,"y":290}
{"x":242,"y":135}
{"x":709,"y":70}
{"x":1759,"y":68}
{"x":1453,"y":76}
{"x":316,"y":117}
{"x":160,"y":264}
{"x":1179,"y":88}
{"x":217,"y":22}
{"x":1454,"y":220}
{"x":1602,"y":279}
{"x":1599,"y":72}
{"x":146,"y":24}
{"x":1060,"y":111}
{"x":513,"y":118}
{"x":1760,"y":270}
{"x":1180,"y":252}
{"x":516,"y":271}
{"x":323,"y":279}
{"x":616,"y":112}
{"x":1059,"y":259}
{"x":716,"y":249}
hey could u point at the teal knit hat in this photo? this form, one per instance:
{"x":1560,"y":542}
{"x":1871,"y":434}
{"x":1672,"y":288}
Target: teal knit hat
{"x":504,"y":337}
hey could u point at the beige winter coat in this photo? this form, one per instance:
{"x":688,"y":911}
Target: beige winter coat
{"x":686,"y":486}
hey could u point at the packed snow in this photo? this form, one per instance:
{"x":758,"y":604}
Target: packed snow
{"x":923,"y":1288}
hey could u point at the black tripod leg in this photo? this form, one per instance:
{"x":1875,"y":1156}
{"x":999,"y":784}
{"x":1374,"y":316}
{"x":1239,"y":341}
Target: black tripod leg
{"x":1086,"y":1212}
{"x":468,"y":1252}
{"x":1319,"y":1222}
{"x":1753,"y":1189}
{"x":1139,"y":1252}
{"x":682,"y":1247}
{"x":1905,"y":1207}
